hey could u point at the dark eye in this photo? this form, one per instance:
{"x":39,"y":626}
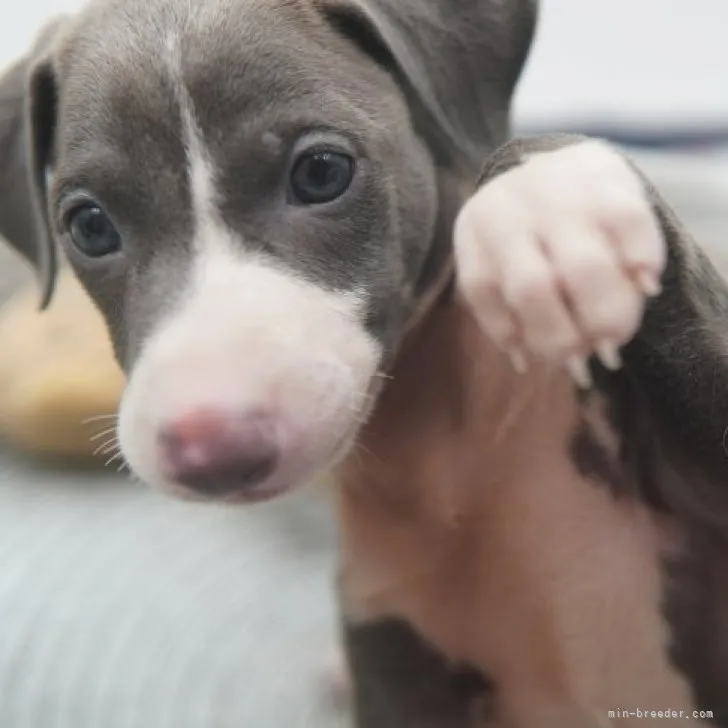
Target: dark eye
{"x":321,"y":176}
{"x":92,"y":232}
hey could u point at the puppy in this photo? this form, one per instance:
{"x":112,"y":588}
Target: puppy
{"x":526,"y":417}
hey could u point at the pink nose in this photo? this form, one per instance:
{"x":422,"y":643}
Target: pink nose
{"x":218,"y":454}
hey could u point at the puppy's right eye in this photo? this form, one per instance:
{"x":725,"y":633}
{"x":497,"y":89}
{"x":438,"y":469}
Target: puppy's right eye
{"x":92,"y":233}
{"x":321,"y":176}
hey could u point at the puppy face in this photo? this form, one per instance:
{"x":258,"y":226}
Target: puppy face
{"x":249,"y":206}
{"x":257,"y":194}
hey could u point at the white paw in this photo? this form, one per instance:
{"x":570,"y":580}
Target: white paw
{"x":557,"y":256}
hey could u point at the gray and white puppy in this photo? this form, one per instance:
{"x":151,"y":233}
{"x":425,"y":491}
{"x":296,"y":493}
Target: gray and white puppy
{"x":220,"y":137}
{"x":260,"y":196}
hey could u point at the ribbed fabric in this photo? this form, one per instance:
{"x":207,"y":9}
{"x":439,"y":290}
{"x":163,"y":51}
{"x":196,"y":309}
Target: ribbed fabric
{"x":122,"y":609}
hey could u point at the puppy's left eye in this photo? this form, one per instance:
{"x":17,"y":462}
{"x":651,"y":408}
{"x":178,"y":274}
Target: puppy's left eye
{"x":92,"y":232}
{"x":321,"y":176}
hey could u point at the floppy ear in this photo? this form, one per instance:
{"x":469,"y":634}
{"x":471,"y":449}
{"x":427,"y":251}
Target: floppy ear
{"x":28,"y":100}
{"x":459,"y":60}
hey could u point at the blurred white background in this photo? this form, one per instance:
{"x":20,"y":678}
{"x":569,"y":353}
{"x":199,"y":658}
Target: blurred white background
{"x":636,"y":62}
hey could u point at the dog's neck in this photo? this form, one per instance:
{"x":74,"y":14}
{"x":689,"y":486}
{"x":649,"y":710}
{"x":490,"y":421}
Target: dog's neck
{"x":448,"y":386}
{"x":449,"y":429}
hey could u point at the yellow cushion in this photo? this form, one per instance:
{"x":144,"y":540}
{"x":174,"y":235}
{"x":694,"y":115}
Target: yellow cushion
{"x":57,"y":371}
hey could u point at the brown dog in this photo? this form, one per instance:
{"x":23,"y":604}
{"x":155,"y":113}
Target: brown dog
{"x":260,"y":196}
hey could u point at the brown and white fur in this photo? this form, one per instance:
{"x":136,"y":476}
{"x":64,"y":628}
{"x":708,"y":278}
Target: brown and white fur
{"x":519,"y":379}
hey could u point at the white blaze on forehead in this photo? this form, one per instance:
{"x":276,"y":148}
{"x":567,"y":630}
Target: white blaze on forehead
{"x":209,"y":227}
{"x":201,"y":177}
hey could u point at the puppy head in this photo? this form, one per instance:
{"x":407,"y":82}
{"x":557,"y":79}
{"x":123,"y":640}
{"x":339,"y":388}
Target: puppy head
{"x":257,"y":195}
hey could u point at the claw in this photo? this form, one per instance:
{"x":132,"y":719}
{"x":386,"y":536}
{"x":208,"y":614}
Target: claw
{"x":518,"y":360}
{"x":608,"y":354}
{"x":648,"y":283}
{"x":579,"y":370}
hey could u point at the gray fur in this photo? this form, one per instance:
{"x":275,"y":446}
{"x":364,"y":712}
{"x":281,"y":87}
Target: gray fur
{"x":27,"y":127}
{"x":373,"y":71}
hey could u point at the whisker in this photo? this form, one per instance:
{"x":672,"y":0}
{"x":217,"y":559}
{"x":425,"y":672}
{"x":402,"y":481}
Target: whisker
{"x":383,"y":375}
{"x":112,"y":459}
{"x":107,"y":431}
{"x":98,"y":418}
{"x":103,"y":445}
{"x":359,"y":448}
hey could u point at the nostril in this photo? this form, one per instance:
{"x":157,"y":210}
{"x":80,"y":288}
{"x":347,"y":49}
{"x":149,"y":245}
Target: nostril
{"x":217,"y":453}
